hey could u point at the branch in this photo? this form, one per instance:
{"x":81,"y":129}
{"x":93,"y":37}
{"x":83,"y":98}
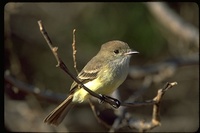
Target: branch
{"x":114,"y":102}
{"x":155,"y":121}
{"x":165,"y":69}
{"x":30,"y":89}
{"x":174,"y":22}
{"x":119,"y":121}
{"x":74,"y":50}
{"x":141,"y":125}
{"x":96,"y":113}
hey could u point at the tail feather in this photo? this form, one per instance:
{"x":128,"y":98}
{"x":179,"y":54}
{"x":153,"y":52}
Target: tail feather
{"x":59,"y":113}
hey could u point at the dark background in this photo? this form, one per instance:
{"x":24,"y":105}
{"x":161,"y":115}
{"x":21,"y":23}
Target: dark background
{"x":28,"y":58}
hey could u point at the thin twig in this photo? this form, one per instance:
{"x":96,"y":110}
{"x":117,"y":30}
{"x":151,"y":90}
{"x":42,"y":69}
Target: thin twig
{"x":144,"y":126}
{"x":74,"y":50}
{"x":61,"y":64}
{"x":30,"y":89}
{"x":137,"y":104}
{"x":105,"y":117}
{"x":141,"y":125}
{"x":164,"y":69}
{"x":59,"y":61}
{"x":157,"y":99}
{"x":49,"y":42}
{"x":94,"y":110}
{"x":144,"y":86}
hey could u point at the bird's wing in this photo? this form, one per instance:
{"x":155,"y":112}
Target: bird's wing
{"x":88,"y":73}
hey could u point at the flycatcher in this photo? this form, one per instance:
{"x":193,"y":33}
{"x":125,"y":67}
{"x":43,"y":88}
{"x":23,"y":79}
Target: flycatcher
{"x":102,"y":74}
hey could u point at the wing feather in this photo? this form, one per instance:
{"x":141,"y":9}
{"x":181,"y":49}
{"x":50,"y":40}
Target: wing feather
{"x":88,"y":73}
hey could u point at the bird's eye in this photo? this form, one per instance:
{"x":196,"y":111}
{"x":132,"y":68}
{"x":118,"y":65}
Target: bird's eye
{"x":116,"y":51}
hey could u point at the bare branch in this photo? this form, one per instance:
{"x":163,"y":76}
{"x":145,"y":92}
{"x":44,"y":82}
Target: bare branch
{"x":173,"y":22}
{"x":30,"y":89}
{"x":120,"y":121}
{"x":49,"y":42}
{"x":125,"y":119}
{"x":74,"y":50}
{"x":165,"y":69}
{"x":96,"y":113}
{"x":144,"y":126}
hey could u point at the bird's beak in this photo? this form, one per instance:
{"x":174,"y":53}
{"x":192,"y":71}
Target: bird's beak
{"x":131,"y":52}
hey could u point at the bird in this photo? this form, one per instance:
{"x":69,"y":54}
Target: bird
{"x":104,"y":73}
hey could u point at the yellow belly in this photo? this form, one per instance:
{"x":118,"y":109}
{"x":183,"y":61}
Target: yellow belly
{"x":96,"y":86}
{"x":106,"y":83}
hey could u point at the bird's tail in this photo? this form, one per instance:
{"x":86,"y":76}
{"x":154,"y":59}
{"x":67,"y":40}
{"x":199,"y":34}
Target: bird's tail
{"x":59,"y":113}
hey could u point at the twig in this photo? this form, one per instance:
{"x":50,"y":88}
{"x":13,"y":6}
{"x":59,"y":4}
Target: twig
{"x":116,"y":124}
{"x":137,"y":104}
{"x":157,"y":99}
{"x":144,"y":86}
{"x":104,"y":116}
{"x":140,"y":125}
{"x":114,"y":102}
{"x":165,"y":69}
{"x":74,"y":50}
{"x":144,"y":126}
{"x":30,"y":89}
{"x":49,"y":42}
{"x":95,"y":112}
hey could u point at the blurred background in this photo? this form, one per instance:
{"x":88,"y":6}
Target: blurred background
{"x":167,"y":54}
